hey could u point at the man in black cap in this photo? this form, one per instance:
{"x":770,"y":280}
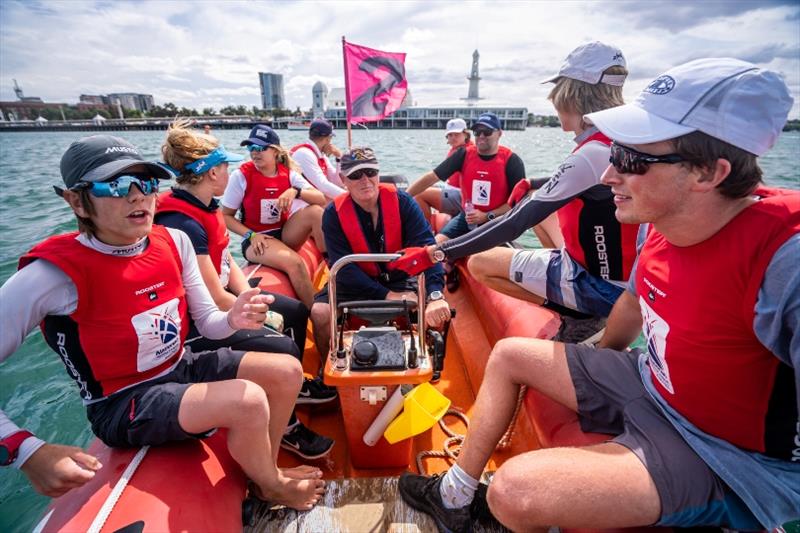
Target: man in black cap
{"x":114,"y":301}
{"x":489,"y":173}
{"x":312,"y":156}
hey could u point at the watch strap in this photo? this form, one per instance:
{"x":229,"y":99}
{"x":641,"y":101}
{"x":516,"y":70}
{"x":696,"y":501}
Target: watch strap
{"x":12,"y":444}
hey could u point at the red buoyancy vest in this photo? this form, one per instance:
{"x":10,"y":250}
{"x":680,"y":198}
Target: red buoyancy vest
{"x":392,"y":228}
{"x":698,"y":306}
{"x":484,"y":183}
{"x":455,"y":177}
{"x":322,"y":161}
{"x":132,"y":317}
{"x":620,"y":238}
{"x":260,"y":204}
{"x":214,"y":225}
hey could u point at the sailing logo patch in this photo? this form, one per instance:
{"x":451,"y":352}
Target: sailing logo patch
{"x":158,"y":330}
{"x":481,"y":192}
{"x":270,"y":214}
{"x":656,"y":330}
{"x":661,"y":85}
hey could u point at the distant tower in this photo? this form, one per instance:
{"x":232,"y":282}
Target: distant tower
{"x":271,"y":90}
{"x":319,"y":99}
{"x":474,"y":78}
{"x":18,"y":91}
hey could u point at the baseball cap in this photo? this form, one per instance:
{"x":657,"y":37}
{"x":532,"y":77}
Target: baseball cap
{"x":588,"y":62}
{"x":728,"y":99}
{"x":489,"y":120}
{"x":320,"y":127}
{"x":357,"y":158}
{"x":261,"y":135}
{"x":455,"y":125}
{"x":99,"y":157}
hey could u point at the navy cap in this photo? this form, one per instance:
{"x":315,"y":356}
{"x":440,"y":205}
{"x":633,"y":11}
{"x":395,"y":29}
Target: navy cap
{"x":320,"y":128}
{"x":261,"y":135}
{"x":489,"y":120}
{"x":100,"y":157}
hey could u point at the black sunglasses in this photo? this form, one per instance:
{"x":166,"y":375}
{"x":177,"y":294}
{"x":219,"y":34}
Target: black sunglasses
{"x":483,"y":132}
{"x":358,"y":174}
{"x":629,"y":161}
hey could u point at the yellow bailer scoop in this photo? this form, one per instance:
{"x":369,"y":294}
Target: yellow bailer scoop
{"x":422,"y":408}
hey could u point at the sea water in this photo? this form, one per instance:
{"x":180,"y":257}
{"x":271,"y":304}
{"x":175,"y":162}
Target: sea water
{"x":34,"y":388}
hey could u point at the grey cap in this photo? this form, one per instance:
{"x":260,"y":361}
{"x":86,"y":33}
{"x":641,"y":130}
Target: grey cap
{"x":100,"y":157}
{"x":356,"y":158}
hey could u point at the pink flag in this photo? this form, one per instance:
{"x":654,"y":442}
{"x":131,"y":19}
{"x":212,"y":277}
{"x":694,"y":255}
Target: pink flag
{"x":375,"y":82}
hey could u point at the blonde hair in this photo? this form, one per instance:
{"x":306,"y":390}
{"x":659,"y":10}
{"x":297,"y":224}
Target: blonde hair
{"x":284,"y":158}
{"x":183,"y":146}
{"x":581,"y":98}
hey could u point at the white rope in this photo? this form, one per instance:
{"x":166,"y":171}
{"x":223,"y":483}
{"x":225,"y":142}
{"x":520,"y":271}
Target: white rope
{"x":102,"y":515}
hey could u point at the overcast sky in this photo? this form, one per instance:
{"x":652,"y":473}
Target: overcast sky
{"x":201,"y":54}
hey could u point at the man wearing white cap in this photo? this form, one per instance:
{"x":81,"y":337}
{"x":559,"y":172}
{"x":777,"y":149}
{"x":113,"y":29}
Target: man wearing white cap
{"x":705,"y":420}
{"x":448,"y":198}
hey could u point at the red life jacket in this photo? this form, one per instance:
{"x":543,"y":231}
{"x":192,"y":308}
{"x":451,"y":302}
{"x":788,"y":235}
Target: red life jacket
{"x":260,"y":204}
{"x":455,"y":177}
{"x":131,"y":317}
{"x":611,"y":247}
{"x":698,"y":305}
{"x":390,"y":216}
{"x":484,"y":182}
{"x":214,"y":225}
{"x":322,"y":161}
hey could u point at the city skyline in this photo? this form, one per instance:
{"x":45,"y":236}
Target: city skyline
{"x":209,"y":54}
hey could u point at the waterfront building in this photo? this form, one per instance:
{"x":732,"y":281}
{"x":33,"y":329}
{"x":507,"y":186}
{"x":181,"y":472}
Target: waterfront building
{"x":132,"y":101}
{"x":271,"y":90}
{"x":319,"y":99}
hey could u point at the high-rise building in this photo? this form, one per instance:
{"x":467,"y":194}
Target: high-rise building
{"x":132,"y":101}
{"x":271,"y":90}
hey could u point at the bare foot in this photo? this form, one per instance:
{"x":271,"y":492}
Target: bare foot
{"x":298,"y":494}
{"x":302,"y":472}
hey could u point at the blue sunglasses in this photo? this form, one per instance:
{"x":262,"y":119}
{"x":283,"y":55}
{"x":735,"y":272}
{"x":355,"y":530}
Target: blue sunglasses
{"x":256,"y":148}
{"x":120,"y":186}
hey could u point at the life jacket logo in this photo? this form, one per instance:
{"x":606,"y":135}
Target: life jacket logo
{"x":618,"y":55}
{"x":661,"y":85}
{"x":270,"y":213}
{"x":158,"y":331}
{"x":481,"y":192}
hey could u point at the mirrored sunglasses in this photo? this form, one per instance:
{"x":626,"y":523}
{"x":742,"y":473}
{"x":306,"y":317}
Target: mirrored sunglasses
{"x":629,"y":161}
{"x":256,"y":148}
{"x":120,"y":186}
{"x":358,"y":174}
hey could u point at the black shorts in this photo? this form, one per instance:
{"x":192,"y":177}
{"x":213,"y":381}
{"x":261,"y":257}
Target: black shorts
{"x":277,"y":233}
{"x":612,"y":400}
{"x":148,"y":413}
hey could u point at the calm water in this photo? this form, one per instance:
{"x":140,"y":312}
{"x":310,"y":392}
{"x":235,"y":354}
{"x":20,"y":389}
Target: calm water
{"x":35,"y":390}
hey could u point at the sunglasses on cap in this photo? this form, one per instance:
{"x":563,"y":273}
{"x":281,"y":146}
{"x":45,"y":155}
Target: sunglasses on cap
{"x":483,"y":132}
{"x":120,"y":186}
{"x":358,"y":174}
{"x":629,"y":161}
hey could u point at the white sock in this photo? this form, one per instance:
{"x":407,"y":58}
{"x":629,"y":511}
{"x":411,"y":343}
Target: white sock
{"x":457,"y":488}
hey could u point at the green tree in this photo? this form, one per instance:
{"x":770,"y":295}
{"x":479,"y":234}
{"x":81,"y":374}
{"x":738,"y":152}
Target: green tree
{"x":209,"y":111}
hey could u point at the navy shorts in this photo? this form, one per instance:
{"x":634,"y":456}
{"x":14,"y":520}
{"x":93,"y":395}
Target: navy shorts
{"x":148,"y":413}
{"x":277,"y":233}
{"x":612,"y":400}
{"x":456,"y":226}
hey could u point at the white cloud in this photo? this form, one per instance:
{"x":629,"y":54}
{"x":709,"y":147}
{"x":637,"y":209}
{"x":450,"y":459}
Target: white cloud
{"x":201,"y":54}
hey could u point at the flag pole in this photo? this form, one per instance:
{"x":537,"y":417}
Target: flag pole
{"x":347,"y":97}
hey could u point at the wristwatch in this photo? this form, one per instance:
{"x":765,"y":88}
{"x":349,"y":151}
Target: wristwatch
{"x":9,"y":446}
{"x":299,"y":190}
{"x":490,"y":216}
{"x":438,"y":255}
{"x":435,"y":295}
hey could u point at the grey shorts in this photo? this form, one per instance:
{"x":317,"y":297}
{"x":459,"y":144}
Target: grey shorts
{"x":613,"y":400}
{"x":451,"y":200}
{"x":148,"y":413}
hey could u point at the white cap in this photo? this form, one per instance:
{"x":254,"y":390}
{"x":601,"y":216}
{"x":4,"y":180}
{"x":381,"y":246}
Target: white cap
{"x":588,"y":62}
{"x":456,"y":125}
{"x":728,"y":99}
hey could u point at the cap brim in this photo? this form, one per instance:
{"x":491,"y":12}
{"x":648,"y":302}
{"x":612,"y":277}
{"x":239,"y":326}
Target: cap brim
{"x":253,"y":140}
{"x":112,"y":168}
{"x":359,"y":167}
{"x":630,"y":124}
{"x":552,"y":79}
{"x":232,"y":158}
